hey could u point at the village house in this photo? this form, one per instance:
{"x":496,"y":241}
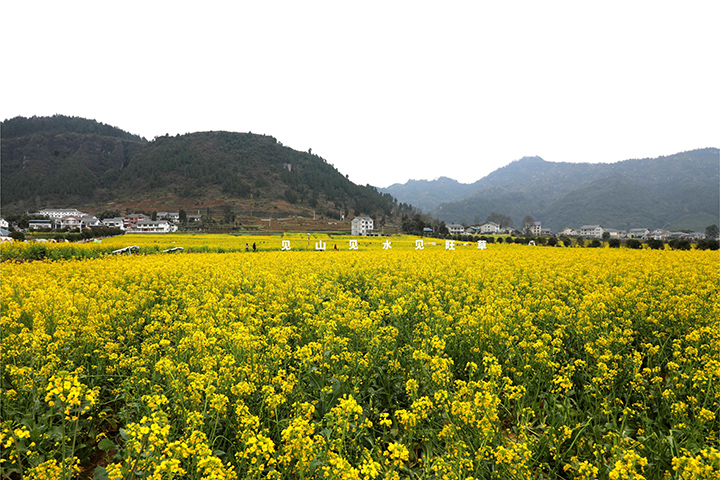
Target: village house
{"x":455,"y":229}
{"x":194,"y":218}
{"x":534,"y":228}
{"x":660,"y":234}
{"x":171,"y":216}
{"x":40,"y":224}
{"x":614,"y":233}
{"x":361,"y":226}
{"x":59,"y":213}
{"x":130,"y":220}
{"x":71,"y":222}
{"x":594,"y":231}
{"x":153,"y":226}
{"x":638,"y":233}
{"x":116,"y":222}
{"x":4,"y":224}
{"x":570,"y":232}
{"x":88,"y":221}
{"x":5,"y":235}
{"x":489,"y":227}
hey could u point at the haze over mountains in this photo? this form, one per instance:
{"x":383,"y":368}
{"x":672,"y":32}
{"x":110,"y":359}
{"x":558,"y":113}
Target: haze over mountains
{"x":680,"y":191}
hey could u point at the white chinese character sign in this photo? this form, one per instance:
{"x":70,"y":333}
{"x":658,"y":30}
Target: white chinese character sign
{"x":420,"y":244}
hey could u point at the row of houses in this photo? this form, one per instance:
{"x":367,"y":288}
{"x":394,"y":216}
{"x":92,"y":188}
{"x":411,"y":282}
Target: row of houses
{"x":598,"y":231}
{"x":589,"y":231}
{"x":73,"y":219}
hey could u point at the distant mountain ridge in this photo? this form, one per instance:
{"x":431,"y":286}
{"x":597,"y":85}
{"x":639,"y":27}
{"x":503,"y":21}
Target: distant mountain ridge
{"x":73,"y":162}
{"x":427,"y":194}
{"x":679,"y":191}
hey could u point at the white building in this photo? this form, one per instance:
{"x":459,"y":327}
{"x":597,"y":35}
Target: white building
{"x":89,"y":221}
{"x":595,"y":231}
{"x":153,"y":226}
{"x":638,"y":233}
{"x":40,"y":224}
{"x":455,"y":229}
{"x":614,"y":233}
{"x":116,"y":222}
{"x":570,"y":232}
{"x":71,"y":222}
{"x":534,"y":228}
{"x":660,"y":234}
{"x":489,"y":227}
{"x":61,"y":212}
{"x":361,"y":226}
{"x":4,"y":224}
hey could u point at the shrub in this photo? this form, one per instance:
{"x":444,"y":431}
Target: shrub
{"x":633,"y":243}
{"x":708,"y":244}
{"x":614,"y":243}
{"x":655,"y":244}
{"x":676,"y":244}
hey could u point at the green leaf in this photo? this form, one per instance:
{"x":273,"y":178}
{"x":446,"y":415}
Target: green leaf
{"x":100,"y":473}
{"x":106,"y":445}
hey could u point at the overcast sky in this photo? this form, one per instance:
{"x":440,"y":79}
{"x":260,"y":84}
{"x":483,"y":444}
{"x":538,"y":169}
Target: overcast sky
{"x":385,"y":91}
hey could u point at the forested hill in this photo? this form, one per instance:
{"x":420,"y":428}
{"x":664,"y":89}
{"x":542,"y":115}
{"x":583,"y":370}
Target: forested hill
{"x":678,"y":191}
{"x":64,"y":161}
{"x":59,"y":124}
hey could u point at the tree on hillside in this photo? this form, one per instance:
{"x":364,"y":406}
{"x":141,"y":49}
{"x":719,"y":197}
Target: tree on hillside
{"x":711,"y":231}
{"x":108,"y":214}
{"x":528,"y":222}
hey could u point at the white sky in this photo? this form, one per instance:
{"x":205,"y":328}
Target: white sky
{"x":386,"y":91}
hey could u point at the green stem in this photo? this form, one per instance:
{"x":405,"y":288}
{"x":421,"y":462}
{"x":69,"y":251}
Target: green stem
{"x":137,"y":459}
{"x":17,"y":452}
{"x":77,"y":422}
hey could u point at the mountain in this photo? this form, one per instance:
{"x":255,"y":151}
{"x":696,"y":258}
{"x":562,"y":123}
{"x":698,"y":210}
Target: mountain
{"x":679,"y":191}
{"x":67,"y":161}
{"x":427,"y":194}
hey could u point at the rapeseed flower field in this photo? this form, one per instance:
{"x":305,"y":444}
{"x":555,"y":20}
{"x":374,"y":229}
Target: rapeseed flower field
{"x":381,"y":362}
